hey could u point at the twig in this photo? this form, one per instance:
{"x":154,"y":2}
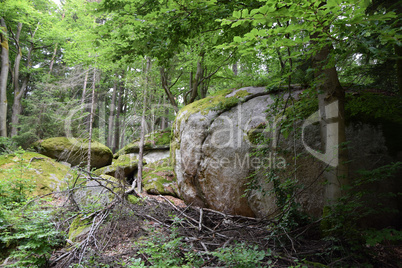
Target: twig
{"x":188,"y":217}
{"x":200,"y":222}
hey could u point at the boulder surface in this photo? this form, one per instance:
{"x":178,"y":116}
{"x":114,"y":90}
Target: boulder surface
{"x":212,"y":153}
{"x":44,"y":173}
{"x":75,"y":151}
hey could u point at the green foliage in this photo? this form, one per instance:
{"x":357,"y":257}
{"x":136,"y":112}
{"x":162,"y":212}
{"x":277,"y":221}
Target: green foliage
{"x":33,"y":236}
{"x":7,"y":145}
{"x":368,"y":106}
{"x":27,"y":233}
{"x":342,"y":222}
{"x":374,"y":237}
{"x":16,"y":188}
{"x":166,"y":251}
{"x":242,"y":256}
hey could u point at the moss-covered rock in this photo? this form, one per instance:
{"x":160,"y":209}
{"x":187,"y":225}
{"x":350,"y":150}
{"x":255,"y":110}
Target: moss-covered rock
{"x":75,"y":151}
{"x":221,"y":100}
{"x":47,"y":174}
{"x":159,"y":178}
{"x":122,"y":167}
{"x":79,"y":227}
{"x":159,"y":140}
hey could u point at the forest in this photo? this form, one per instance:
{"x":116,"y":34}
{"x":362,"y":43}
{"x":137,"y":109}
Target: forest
{"x":177,"y":133}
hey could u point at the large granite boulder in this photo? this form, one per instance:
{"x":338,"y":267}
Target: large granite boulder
{"x":210,"y":145}
{"x":44,"y":173}
{"x":75,"y":151}
{"x":212,"y":153}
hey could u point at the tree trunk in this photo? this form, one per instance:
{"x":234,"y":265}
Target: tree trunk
{"x":3,"y":79}
{"x":331,"y":98}
{"x":165,"y":85}
{"x":111,"y":116}
{"x":83,"y":98}
{"x":18,"y":92}
{"x":142,"y":135}
{"x":164,"y":120}
{"x":91,"y":119}
{"x":117,"y":120}
{"x":52,"y":60}
{"x":235,"y":69}
{"x":123,"y":118}
{"x":195,"y":82}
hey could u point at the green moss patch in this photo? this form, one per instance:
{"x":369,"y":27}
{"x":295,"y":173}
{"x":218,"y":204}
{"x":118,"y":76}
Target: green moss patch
{"x":159,"y":178}
{"x":120,"y":167}
{"x":75,"y":151}
{"x":79,"y":227}
{"x":47,"y":174}
{"x":255,"y":136}
{"x":153,"y":141}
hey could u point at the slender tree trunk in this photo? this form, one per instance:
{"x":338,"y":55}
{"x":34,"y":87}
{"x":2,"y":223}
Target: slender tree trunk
{"x":18,"y":91}
{"x":142,"y":135}
{"x":111,"y":116}
{"x":165,"y":85}
{"x":235,"y":69}
{"x":117,"y":120}
{"x":3,"y":79}
{"x":52,"y":60}
{"x":195,"y":82}
{"x":331,"y":98}
{"x":91,"y":119}
{"x":123,"y":117}
{"x":164,"y":117}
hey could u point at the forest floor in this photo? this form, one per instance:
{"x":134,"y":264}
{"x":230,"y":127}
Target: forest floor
{"x":133,"y":233}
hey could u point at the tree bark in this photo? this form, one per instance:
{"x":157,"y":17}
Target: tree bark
{"x":18,"y":91}
{"x":52,"y":60}
{"x":111,"y":115}
{"x":196,"y":81}
{"x":116,"y":146}
{"x":164,"y":120}
{"x":3,"y":79}
{"x":91,"y":119}
{"x":235,"y":69}
{"x":165,"y":85}
{"x":142,"y":135}
{"x":331,"y":97}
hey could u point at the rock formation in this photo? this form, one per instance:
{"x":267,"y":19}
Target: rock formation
{"x":212,"y":151}
{"x":75,"y":151}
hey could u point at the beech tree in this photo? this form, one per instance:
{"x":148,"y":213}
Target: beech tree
{"x":3,"y":77}
{"x":28,"y":31}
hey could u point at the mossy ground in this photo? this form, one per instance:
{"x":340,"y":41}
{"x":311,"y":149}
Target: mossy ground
{"x":46,"y":173}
